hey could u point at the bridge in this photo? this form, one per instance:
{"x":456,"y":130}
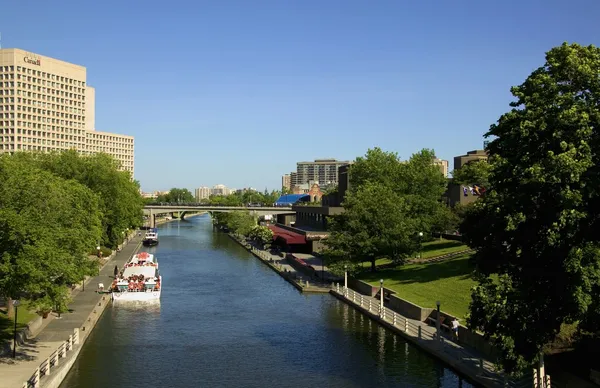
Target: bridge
{"x":154,"y":210}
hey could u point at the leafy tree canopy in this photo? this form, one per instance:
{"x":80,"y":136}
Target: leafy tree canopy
{"x":176,"y":195}
{"x":388,"y":204}
{"x":536,"y":230}
{"x":474,"y":172}
{"x":47,"y":226}
{"x":120,"y":201}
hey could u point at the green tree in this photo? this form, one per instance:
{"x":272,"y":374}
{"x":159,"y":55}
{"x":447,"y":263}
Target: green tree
{"x":47,"y":226}
{"x":176,"y":195}
{"x":536,"y":230}
{"x":261,"y":234}
{"x":241,"y":222}
{"x":474,"y":172}
{"x":389,"y":203}
{"x":120,"y":201}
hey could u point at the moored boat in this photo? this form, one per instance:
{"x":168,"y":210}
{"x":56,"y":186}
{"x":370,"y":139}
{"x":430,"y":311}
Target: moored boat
{"x":151,"y":237}
{"x":140,"y":280}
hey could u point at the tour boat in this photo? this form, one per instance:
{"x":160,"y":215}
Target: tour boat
{"x":140,"y":280}
{"x":151,"y":237}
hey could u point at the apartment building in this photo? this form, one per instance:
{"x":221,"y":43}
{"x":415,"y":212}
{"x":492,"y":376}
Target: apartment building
{"x":46,"y":105}
{"x":202,"y":193}
{"x":324,"y":171}
{"x":286,"y":182}
{"x":442,"y":165}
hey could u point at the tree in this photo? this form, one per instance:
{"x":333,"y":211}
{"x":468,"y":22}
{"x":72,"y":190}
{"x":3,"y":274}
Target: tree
{"x":47,"y":226}
{"x":241,"y":222}
{"x":536,"y":230}
{"x":376,"y":224}
{"x":474,"y":172}
{"x":261,"y":234}
{"x":388,"y":204}
{"x":120,"y":201}
{"x":176,"y":195}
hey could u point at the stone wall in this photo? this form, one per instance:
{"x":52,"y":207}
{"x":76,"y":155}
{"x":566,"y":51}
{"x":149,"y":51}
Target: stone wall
{"x":362,"y":287}
{"x":408,"y":309}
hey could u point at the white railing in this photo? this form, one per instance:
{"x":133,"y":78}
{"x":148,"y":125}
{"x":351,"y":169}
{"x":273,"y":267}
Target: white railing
{"x":421,"y":332}
{"x":53,"y":361}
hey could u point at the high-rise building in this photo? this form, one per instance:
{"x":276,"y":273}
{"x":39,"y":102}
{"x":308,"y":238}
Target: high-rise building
{"x":202,"y":193}
{"x":443,"y":166}
{"x":324,"y":171}
{"x":46,"y":105}
{"x":220,"y":190}
{"x":286,"y":182}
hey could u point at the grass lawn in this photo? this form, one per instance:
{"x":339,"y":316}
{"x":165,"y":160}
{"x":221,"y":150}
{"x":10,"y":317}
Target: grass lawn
{"x":7,"y":325}
{"x":430,"y":249}
{"x":448,"y":281}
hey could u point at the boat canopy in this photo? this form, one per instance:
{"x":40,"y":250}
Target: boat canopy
{"x":147,"y":271}
{"x":143,"y":257}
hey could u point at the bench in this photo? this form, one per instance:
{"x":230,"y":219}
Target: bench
{"x":433,"y":322}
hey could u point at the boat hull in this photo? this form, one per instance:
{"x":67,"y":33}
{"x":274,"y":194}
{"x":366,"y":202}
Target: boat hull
{"x":150,"y":243}
{"x":121,"y":297}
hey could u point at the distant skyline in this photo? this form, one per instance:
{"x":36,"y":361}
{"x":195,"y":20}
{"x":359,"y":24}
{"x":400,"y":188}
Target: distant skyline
{"x":236,"y":92}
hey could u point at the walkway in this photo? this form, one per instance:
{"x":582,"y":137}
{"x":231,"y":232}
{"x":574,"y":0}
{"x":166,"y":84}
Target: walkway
{"x":465,"y":360}
{"x":15,"y":372}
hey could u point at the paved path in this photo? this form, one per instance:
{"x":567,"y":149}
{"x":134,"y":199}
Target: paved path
{"x":466,"y":360}
{"x":29,"y":355}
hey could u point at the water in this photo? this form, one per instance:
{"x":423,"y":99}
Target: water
{"x":226,"y":320}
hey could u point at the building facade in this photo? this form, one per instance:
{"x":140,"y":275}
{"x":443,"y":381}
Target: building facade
{"x":46,"y":105}
{"x":459,"y":194}
{"x":323,"y":171}
{"x":442,"y":165}
{"x":202,"y":193}
{"x":286,"y":182}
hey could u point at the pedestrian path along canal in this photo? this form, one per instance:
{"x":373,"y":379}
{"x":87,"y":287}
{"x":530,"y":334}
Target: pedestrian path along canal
{"x":226,"y":320}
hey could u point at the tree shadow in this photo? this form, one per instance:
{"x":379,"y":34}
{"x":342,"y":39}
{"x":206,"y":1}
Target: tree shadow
{"x":424,"y":273}
{"x":441,"y":245}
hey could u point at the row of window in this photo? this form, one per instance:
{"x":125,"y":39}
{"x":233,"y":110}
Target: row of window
{"x":42,"y":75}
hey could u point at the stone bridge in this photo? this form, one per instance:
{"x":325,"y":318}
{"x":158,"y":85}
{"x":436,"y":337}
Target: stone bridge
{"x":153,"y":210}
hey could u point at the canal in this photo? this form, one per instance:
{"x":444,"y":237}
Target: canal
{"x":226,"y":320}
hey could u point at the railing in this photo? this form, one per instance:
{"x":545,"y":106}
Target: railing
{"x":485,"y":369}
{"x":52,"y":362}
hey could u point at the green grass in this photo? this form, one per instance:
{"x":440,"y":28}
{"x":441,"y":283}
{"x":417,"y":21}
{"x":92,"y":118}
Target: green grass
{"x":448,"y":281}
{"x":7,"y":324}
{"x":430,"y":249}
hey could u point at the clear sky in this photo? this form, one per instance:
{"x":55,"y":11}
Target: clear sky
{"x":238,"y":91}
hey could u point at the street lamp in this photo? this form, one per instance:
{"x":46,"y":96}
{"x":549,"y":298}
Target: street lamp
{"x":98,"y":249}
{"x":345,"y":278}
{"x":16,"y":304}
{"x":437,"y":320}
{"x":381,"y":297}
{"x":420,"y":244}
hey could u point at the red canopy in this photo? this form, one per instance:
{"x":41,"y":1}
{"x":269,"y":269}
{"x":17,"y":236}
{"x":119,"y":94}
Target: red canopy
{"x":289,"y":236}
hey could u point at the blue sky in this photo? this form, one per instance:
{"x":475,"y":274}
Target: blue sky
{"x":237,"y":91}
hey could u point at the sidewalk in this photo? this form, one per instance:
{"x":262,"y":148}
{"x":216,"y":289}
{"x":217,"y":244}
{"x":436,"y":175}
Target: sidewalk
{"x":465,"y":360}
{"x":15,"y":372}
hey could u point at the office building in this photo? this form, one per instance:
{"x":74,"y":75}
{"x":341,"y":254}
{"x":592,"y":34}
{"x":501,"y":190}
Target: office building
{"x":46,"y":105}
{"x":323,"y":171}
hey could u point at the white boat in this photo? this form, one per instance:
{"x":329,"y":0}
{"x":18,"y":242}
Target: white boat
{"x":151,"y":237}
{"x":140,"y":280}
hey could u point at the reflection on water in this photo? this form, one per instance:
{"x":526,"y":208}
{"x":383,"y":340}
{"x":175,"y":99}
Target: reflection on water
{"x":226,"y":320}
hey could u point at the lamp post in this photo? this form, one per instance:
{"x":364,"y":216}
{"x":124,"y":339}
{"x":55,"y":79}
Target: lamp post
{"x":98,"y":249}
{"x":437,"y":321}
{"x":420,"y":243}
{"x":381,"y":297}
{"x":16,"y":304}
{"x":345,"y":278}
